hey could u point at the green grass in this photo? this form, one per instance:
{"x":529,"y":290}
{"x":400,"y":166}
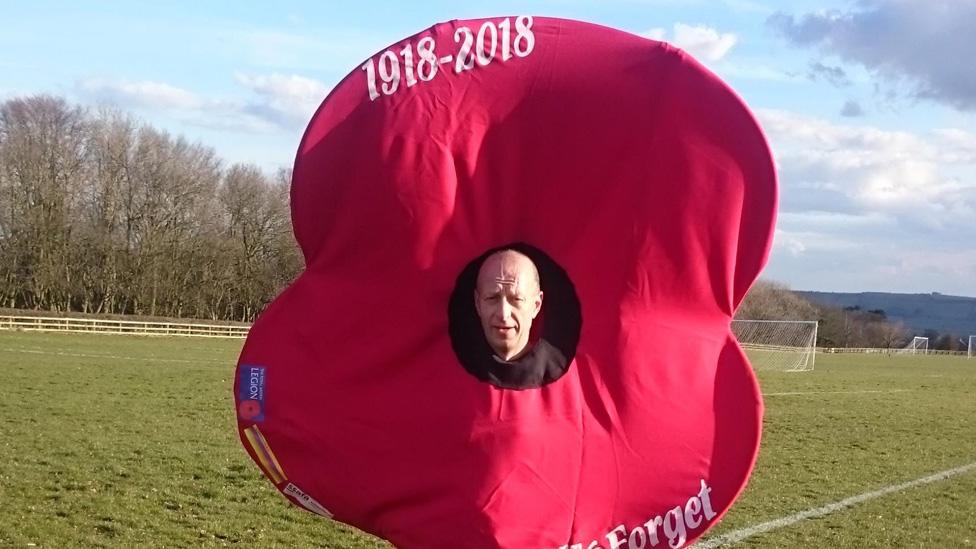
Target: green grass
{"x":841,"y":440}
{"x":135,"y":451}
{"x":119,"y":441}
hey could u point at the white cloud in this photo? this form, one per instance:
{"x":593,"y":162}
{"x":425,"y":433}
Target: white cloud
{"x":657,"y":33}
{"x":287,"y":100}
{"x":788,"y":242}
{"x":956,"y":264}
{"x":277,"y":102}
{"x":920,"y":45}
{"x":145,"y":93}
{"x":702,"y":42}
{"x":819,"y":220}
{"x":851,"y":109}
{"x":893,"y":266}
{"x":798,"y":243}
{"x":836,"y":76}
{"x":959,"y":146}
{"x":867,"y":170}
{"x":867,"y":208}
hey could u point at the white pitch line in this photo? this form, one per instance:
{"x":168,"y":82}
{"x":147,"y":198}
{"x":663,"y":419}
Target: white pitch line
{"x":117,"y":357}
{"x":739,"y":535}
{"x":837,"y":392}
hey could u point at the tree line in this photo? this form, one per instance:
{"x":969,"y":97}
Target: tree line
{"x":102,"y":213}
{"x":838,"y":326}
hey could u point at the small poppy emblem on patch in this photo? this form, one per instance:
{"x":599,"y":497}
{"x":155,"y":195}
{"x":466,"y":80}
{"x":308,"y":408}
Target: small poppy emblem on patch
{"x":250,"y":395}
{"x":248,"y":410}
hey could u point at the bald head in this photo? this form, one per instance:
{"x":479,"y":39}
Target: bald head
{"x":509,"y":267}
{"x":508,"y":297}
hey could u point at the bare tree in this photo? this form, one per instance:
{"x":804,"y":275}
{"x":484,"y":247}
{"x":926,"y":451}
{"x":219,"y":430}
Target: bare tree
{"x":768,"y":300}
{"x":100,"y":213}
{"x":892,"y":334}
{"x":259,"y":236}
{"x":42,"y":158}
{"x":112,"y":139}
{"x":169,"y":194}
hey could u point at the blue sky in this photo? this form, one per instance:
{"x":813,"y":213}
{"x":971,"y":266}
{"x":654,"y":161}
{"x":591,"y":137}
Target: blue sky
{"x":869,"y":106}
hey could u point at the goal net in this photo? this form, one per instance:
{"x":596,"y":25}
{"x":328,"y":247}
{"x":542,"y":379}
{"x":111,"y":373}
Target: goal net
{"x":786,"y":345}
{"x":918,"y":345}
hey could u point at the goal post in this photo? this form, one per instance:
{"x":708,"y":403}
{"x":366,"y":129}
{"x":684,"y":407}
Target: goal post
{"x":971,"y":349}
{"x":917,"y":346}
{"x":785,"y":345}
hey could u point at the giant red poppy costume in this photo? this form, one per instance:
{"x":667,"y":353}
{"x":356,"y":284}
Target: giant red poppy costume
{"x":636,"y":175}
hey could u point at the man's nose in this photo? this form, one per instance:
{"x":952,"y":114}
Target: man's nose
{"x":505,"y":309}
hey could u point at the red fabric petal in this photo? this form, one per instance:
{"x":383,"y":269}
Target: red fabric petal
{"x":635,"y":169}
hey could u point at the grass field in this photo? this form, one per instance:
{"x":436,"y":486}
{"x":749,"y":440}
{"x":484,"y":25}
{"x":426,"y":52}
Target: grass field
{"x":119,"y":441}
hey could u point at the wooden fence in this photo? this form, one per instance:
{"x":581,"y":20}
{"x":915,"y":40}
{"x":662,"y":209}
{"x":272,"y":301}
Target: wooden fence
{"x":133,"y":327}
{"x":871,"y":350}
{"x":93,"y":325}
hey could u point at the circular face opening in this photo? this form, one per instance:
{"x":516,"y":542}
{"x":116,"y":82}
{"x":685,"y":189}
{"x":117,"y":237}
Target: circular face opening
{"x":507,"y":330}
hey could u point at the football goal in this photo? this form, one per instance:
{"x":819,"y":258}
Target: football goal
{"x":917,"y":346}
{"x":971,"y":349}
{"x":788,"y":345}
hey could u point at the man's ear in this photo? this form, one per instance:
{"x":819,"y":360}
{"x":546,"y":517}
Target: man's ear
{"x":477,"y":305}
{"x":538,"y":305}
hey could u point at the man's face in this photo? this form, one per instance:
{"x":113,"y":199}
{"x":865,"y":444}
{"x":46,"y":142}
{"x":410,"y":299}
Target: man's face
{"x":507,"y":298}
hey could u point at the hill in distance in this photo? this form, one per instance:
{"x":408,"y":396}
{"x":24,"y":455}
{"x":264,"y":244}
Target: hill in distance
{"x":919,"y":312}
